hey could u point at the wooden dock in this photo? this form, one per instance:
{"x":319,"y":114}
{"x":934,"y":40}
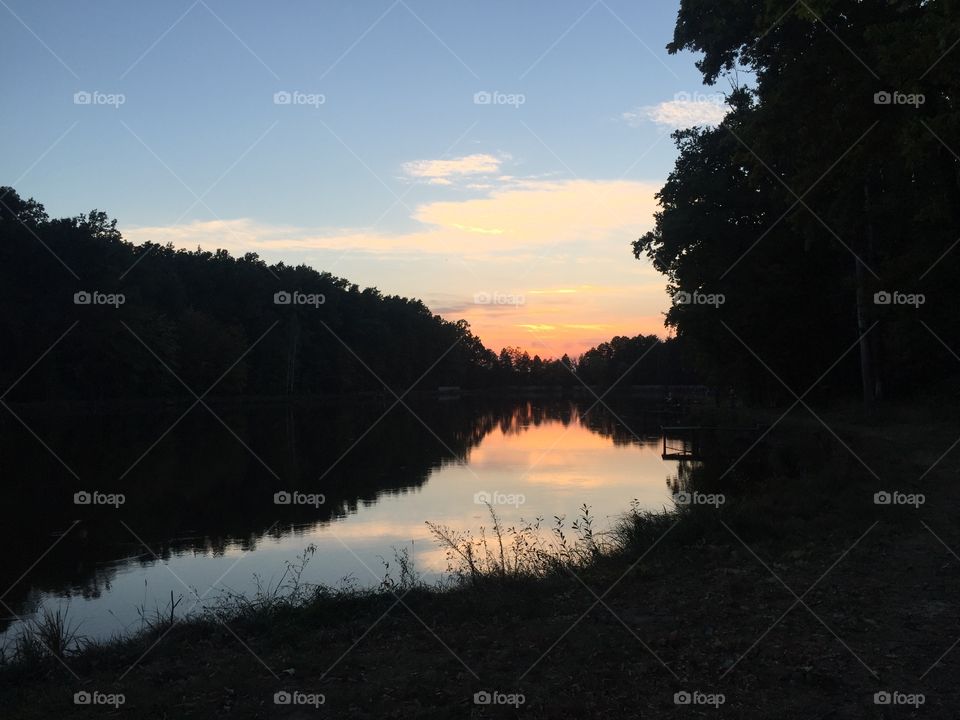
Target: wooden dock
{"x":686,"y":442}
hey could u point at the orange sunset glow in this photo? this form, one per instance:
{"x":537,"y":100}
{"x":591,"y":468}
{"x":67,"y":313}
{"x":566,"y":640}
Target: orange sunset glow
{"x":541,"y":265}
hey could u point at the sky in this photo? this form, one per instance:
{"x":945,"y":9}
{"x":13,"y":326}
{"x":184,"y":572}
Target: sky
{"x":494,"y":158}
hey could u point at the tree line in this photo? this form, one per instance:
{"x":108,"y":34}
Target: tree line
{"x":110,"y":320}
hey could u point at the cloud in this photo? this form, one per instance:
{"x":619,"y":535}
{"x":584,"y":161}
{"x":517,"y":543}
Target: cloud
{"x":440,"y":172}
{"x":685,"y":111}
{"x":538,"y":213}
{"x":528,"y":216}
{"x":556,"y":291}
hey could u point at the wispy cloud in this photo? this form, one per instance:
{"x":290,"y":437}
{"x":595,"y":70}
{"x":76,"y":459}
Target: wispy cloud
{"x":528,"y":215}
{"x":444,"y":172}
{"x":559,"y":291}
{"x":684,"y":111}
{"x":538,"y":213}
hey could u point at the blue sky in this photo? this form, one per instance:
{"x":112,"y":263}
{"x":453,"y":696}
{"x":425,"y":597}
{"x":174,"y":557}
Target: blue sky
{"x":383,"y":168}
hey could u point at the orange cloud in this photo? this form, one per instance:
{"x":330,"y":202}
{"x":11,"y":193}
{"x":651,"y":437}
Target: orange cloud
{"x":531,"y":214}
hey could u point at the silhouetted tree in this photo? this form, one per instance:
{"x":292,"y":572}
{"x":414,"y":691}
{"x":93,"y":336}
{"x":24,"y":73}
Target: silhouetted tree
{"x":816,"y":193}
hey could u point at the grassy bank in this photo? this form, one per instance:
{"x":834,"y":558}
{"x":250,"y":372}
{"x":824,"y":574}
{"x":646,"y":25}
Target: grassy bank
{"x":797,"y":596}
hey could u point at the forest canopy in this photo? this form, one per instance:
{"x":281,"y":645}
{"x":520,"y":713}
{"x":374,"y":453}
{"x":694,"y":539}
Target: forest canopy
{"x":825,"y":209}
{"x":125,"y":321}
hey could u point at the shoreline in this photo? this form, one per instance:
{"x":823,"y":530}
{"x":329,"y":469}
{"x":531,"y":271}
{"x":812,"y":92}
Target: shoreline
{"x":678,"y":393}
{"x":681,"y":603}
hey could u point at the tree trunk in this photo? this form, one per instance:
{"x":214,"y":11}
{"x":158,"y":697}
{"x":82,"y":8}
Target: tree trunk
{"x":866,"y":360}
{"x":292,"y":355}
{"x":867,"y":367}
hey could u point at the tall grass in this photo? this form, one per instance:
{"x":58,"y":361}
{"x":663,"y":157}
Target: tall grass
{"x":520,"y":551}
{"x":51,"y":634}
{"x":637,"y":530}
{"x":407,"y":576}
{"x":161,"y":619}
{"x":270,"y":596}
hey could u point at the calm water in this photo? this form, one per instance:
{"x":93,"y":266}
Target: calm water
{"x":199,"y":508}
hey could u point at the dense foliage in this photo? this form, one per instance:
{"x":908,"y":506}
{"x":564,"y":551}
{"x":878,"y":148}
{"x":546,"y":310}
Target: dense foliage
{"x":829,"y":188}
{"x":208,"y":319}
{"x":640,"y":360}
{"x":162,"y":322}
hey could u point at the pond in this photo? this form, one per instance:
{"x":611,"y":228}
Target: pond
{"x":111,"y":515}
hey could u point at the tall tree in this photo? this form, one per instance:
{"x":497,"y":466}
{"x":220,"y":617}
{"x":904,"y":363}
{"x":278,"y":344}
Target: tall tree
{"x":828,"y":182}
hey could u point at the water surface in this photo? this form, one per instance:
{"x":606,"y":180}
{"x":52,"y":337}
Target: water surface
{"x":200,"y":516}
